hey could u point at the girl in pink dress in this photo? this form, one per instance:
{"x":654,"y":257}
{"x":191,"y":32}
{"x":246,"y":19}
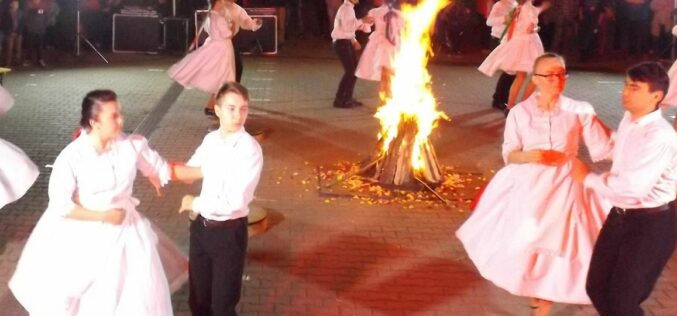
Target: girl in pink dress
{"x":533,"y":230}
{"x":92,"y":252}
{"x":17,"y":171}
{"x":520,"y":45}
{"x":376,"y":62}
{"x":213,"y":64}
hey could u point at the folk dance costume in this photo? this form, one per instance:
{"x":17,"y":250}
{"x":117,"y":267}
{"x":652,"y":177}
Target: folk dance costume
{"x":520,"y":47}
{"x":231,"y":168}
{"x":213,"y":64}
{"x":533,"y":230}
{"x":343,"y":36}
{"x":638,"y":237}
{"x":383,"y":43}
{"x":498,"y":16}
{"x":78,"y":267}
{"x":17,"y":171}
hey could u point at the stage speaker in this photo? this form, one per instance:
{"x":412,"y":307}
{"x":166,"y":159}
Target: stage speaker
{"x":262,"y":41}
{"x":175,"y":34}
{"x":136,"y":34}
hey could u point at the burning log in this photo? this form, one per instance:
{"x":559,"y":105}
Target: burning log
{"x":396,"y":167}
{"x":409,"y":112}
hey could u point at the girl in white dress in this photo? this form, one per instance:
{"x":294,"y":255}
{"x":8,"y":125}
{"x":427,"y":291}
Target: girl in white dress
{"x":534,"y":228}
{"x":376,"y":62}
{"x":17,"y":171}
{"x":520,"y":46}
{"x":92,"y":252}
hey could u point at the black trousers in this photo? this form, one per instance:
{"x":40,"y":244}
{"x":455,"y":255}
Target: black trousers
{"x":238,"y":63}
{"x":502,"y":90}
{"x":629,"y":255}
{"x":216,"y":265}
{"x":35,"y":42}
{"x":346,"y":53}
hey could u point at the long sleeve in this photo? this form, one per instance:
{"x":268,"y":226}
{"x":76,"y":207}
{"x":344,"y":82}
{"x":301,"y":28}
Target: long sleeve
{"x":149,"y":162}
{"x":597,"y":137}
{"x":345,"y":23}
{"x":497,"y":16}
{"x":511,"y":138}
{"x":198,"y":157}
{"x":245,"y":21}
{"x":62,"y":186}
{"x":642,"y":173}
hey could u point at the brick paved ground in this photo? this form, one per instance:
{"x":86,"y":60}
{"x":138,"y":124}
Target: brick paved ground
{"x":320,"y":256}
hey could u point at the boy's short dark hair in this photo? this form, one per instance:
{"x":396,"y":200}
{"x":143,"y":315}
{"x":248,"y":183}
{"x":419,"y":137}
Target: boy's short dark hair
{"x":232,"y":87}
{"x":653,"y":74}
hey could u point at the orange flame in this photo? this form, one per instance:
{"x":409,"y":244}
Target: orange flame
{"x":411,"y":96}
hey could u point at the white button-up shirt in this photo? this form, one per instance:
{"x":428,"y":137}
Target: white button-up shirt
{"x":498,"y":16}
{"x":643,"y":173}
{"x":231,"y":167}
{"x":345,"y":23}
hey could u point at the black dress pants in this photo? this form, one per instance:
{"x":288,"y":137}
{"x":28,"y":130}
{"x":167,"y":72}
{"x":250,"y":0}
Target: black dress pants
{"x":502,"y":91}
{"x":238,"y":63}
{"x":346,"y":53}
{"x":629,"y":255}
{"x":216,"y":265}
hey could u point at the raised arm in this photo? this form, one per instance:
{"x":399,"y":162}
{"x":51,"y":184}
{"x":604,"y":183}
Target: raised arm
{"x":246,"y":22}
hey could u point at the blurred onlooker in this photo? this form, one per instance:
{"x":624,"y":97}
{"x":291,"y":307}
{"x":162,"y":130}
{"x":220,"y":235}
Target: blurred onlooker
{"x":295,"y":17}
{"x":35,"y":25}
{"x":53,"y":11}
{"x":660,"y":25}
{"x":607,"y":30}
{"x":12,"y":25}
{"x":590,"y":12}
{"x":634,"y":25}
{"x":560,"y":26}
{"x":457,"y":19}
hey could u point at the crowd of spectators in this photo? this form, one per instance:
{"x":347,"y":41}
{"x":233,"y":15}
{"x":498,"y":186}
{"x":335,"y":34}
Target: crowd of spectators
{"x":577,"y":29}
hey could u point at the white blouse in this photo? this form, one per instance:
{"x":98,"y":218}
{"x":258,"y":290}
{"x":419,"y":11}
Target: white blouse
{"x":101,"y":181}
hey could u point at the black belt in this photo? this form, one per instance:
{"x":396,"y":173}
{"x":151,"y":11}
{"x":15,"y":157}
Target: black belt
{"x":210,"y":223}
{"x":646,"y":210}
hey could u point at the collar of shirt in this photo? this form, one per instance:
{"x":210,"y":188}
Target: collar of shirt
{"x":645,"y":119}
{"x":348,"y":3}
{"x":232,"y":138}
{"x":533,"y":101}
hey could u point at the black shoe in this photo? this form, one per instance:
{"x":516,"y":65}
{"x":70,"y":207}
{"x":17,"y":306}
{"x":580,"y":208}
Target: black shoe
{"x":498,"y":106}
{"x":210,"y":112}
{"x":345,"y":105}
{"x":355,"y":102}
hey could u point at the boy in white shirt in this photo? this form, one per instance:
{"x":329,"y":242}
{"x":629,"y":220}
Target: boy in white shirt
{"x":638,"y":236}
{"x":345,"y":45}
{"x":229,"y":161}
